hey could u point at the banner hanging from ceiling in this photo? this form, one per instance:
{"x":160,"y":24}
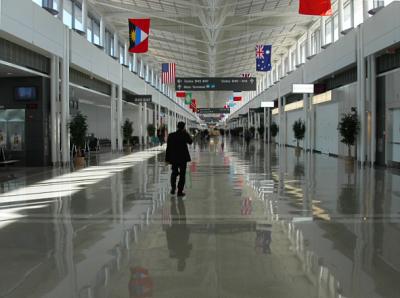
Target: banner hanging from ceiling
{"x":315,"y":7}
{"x":139,"y":30}
{"x":263,"y":57}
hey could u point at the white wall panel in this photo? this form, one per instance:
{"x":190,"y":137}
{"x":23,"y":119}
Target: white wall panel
{"x":287,"y":82}
{"x":87,"y":57}
{"x":98,"y":119}
{"x":383,"y":29}
{"x":339,"y":55}
{"x":326,"y":133}
{"x":31,"y":24}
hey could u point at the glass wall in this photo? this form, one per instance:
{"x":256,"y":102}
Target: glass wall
{"x":12,"y":129}
{"x":335,"y":27}
{"x":328,"y":31}
{"x":303,"y":52}
{"x":68,"y":13}
{"x":347,"y":15}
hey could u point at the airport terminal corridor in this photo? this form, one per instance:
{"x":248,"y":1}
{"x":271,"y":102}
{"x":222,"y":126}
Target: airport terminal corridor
{"x":256,"y":221}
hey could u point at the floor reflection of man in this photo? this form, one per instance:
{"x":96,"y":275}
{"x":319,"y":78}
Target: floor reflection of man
{"x":263,"y":241}
{"x":178,"y":234}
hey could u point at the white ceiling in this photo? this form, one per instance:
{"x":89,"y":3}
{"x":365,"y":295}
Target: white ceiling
{"x":210,"y":37}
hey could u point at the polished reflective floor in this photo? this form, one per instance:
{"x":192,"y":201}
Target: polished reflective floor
{"x":257,"y":221}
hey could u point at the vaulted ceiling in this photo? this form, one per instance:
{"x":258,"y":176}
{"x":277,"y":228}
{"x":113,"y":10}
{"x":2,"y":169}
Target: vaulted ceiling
{"x":210,"y":37}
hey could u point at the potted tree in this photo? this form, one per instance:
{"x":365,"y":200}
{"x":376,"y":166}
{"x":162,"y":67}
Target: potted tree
{"x":252,"y":130}
{"x":299,"y":129}
{"x":78,"y":129}
{"x":261,"y":130}
{"x":151,"y":132}
{"x":274,"y":129}
{"x":127,"y":131}
{"x":349,"y":127}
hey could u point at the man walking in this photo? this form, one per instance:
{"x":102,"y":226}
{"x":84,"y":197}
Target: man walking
{"x":178,"y":156}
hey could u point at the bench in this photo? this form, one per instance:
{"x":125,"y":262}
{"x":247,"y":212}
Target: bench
{"x":3,"y":160}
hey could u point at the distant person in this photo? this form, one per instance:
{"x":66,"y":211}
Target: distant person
{"x":247,"y":137}
{"x":178,"y":156}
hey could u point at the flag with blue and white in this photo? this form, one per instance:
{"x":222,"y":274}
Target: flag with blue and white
{"x":263,"y":57}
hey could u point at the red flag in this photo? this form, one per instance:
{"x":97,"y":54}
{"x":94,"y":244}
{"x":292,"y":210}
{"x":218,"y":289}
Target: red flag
{"x":193,"y":105}
{"x":180,"y":94}
{"x":237,"y":96}
{"x":139,"y":30}
{"x":315,"y":7}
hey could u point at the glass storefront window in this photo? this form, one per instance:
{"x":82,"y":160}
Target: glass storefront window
{"x":12,"y":129}
{"x":89,"y":30}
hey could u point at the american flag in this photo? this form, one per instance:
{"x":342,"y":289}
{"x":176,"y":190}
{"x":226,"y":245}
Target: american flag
{"x":168,"y":73}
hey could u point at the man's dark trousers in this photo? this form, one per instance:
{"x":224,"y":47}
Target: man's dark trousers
{"x":178,"y":170}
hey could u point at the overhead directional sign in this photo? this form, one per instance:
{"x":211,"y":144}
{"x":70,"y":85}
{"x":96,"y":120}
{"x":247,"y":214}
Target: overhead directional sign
{"x":216,"y":84}
{"x":267,"y":104}
{"x":139,"y":98}
{"x":213,"y":110}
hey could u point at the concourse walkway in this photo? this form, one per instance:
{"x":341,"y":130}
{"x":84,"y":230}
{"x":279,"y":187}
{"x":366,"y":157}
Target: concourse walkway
{"x":257,"y":221}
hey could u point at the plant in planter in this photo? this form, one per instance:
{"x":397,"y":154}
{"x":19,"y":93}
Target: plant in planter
{"x":349,"y":126}
{"x":127,"y":131}
{"x":78,"y":129}
{"x":261,"y":130}
{"x":151,"y":130}
{"x":274,"y":129}
{"x":299,"y":129}
{"x":252,"y":131}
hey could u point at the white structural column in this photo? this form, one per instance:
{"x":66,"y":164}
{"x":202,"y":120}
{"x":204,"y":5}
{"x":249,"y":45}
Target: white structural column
{"x":361,"y":75}
{"x":119,"y":116}
{"x":265,"y":124}
{"x":102,"y":32}
{"x":145,"y":120}
{"x":280,"y":122}
{"x":126,"y":53}
{"x":60,"y":9}
{"x":140,"y":106}
{"x":65,"y":142}
{"x":84,"y":16}
{"x":306,"y":122}
{"x":340,"y":15}
{"x":372,"y":83}
{"x":54,"y":101}
{"x":116,"y":45}
{"x":159,"y":110}
{"x":322,"y":31}
{"x":284,"y":121}
{"x":113,"y":112}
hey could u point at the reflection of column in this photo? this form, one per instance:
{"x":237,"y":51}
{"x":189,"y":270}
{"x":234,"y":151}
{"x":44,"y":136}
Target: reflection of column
{"x":65,"y":141}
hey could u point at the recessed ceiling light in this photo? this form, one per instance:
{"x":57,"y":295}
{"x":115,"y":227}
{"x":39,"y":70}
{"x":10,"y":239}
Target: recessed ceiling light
{"x":9,"y":73}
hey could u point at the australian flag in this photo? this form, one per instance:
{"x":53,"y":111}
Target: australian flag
{"x":263,"y":57}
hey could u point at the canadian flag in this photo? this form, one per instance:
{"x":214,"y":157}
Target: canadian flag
{"x":180,"y":94}
{"x":237,"y":96}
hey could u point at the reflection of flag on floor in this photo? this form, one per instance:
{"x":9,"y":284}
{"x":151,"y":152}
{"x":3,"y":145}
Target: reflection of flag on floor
{"x":139,"y":30}
{"x":247,"y":207}
{"x":166,"y":217}
{"x":193,"y":167}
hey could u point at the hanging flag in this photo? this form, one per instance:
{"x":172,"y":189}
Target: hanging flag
{"x":188,"y":98}
{"x":263,"y":57}
{"x":180,"y":94}
{"x":193,"y":105}
{"x":139,"y":30}
{"x":231,"y":98}
{"x":168,"y":73}
{"x":315,"y":7}
{"x":232,"y":104}
{"x":237,"y":96}
{"x":246,"y":75}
